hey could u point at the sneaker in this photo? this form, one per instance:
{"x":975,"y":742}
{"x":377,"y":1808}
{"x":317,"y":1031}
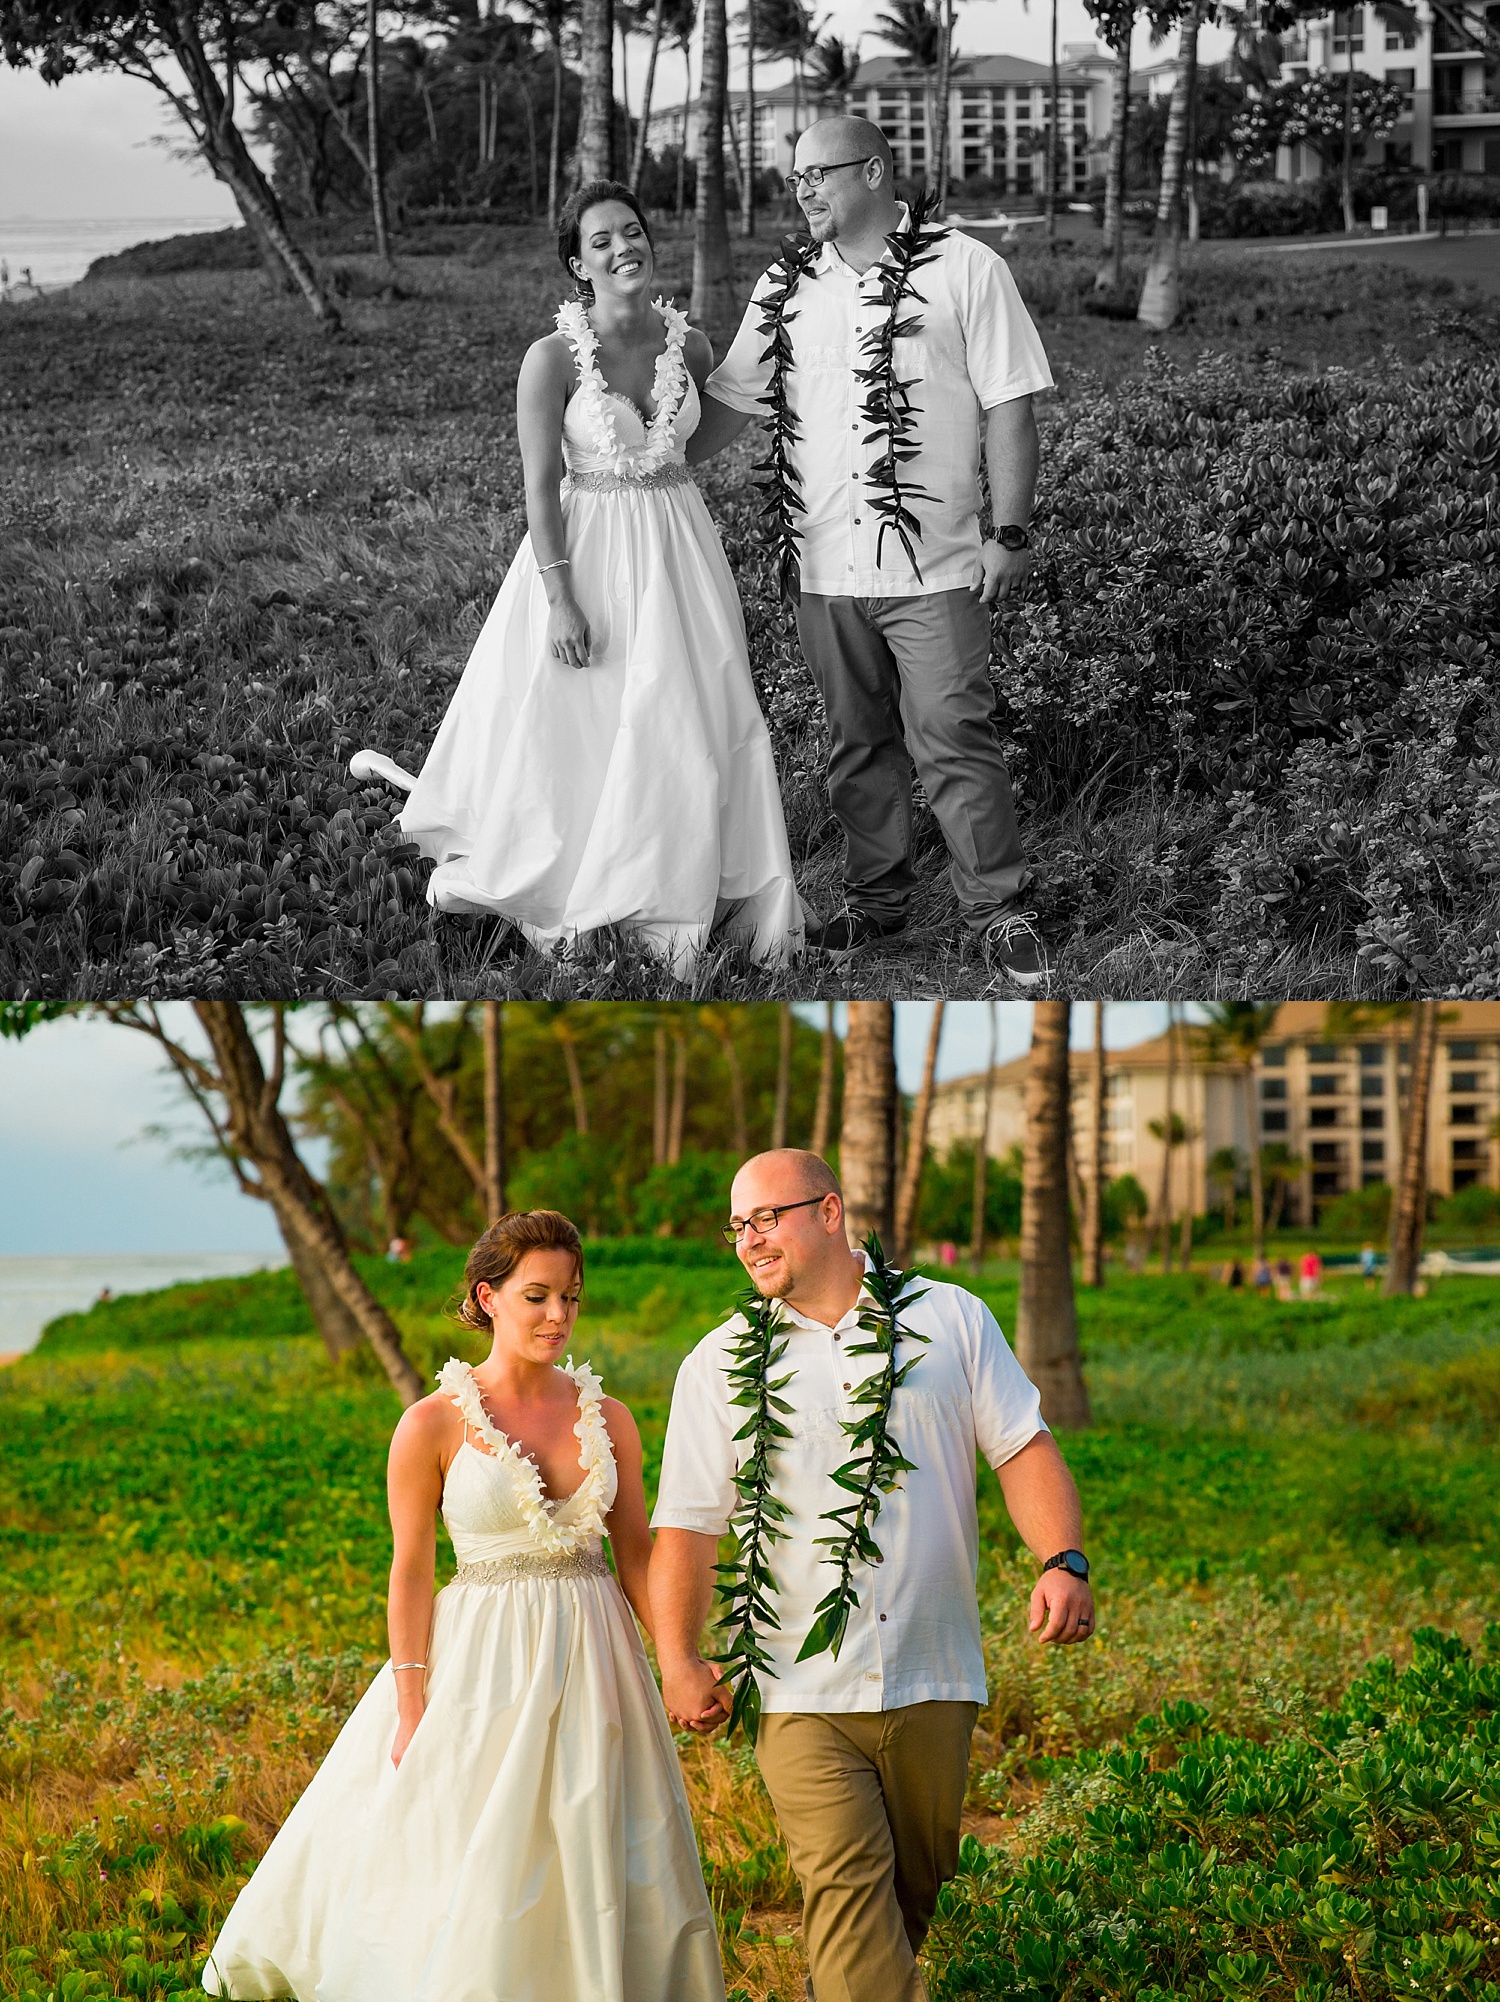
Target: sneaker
{"x":1013,"y":949}
{"x":851,"y":931}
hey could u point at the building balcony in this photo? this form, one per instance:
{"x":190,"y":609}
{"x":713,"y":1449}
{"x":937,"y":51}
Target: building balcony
{"x":1475,"y":104}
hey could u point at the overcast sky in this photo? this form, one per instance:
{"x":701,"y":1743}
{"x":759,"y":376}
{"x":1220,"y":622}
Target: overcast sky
{"x":89,"y":147}
{"x":80,"y":1170}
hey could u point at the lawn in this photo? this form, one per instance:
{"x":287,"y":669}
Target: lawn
{"x":192,"y":1555}
{"x":1249,"y":703}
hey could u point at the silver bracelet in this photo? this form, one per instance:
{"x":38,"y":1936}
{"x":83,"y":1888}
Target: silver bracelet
{"x":561,"y":564}
{"x":397,"y":1666}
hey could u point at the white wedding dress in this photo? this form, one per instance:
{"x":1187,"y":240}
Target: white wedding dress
{"x":534,"y":1845}
{"x":640,"y":791}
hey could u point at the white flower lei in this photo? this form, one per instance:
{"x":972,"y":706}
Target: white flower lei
{"x":456,"y":1380}
{"x":668,"y":387}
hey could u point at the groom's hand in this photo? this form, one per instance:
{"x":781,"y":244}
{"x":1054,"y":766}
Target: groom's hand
{"x":695,"y":1697}
{"x":1002,"y":573}
{"x":1062,"y":1607}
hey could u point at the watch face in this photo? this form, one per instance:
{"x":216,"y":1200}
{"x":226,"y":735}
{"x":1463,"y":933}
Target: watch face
{"x":1011,"y":537}
{"x":1077,"y":1563}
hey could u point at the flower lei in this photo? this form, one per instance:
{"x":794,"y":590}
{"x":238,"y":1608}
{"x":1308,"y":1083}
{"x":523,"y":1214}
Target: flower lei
{"x":668,"y":387}
{"x":746,"y":1584}
{"x":456,"y":1380}
{"x":887,"y":405}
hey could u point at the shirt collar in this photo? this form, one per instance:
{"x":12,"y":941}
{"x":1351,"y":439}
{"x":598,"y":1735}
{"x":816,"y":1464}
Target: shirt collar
{"x":829,"y":258}
{"x":821,"y":1327}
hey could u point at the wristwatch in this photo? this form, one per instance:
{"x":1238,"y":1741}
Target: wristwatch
{"x":1072,"y":1561}
{"x":1011,"y":536}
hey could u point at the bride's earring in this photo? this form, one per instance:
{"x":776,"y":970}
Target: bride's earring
{"x":583,"y":290}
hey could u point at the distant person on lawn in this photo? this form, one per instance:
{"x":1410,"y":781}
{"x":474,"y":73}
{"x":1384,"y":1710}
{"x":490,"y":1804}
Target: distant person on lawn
{"x":900,"y":345}
{"x":865,"y":1753}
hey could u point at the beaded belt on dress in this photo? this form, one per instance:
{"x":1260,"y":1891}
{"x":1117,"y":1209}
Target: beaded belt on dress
{"x":675,"y":475}
{"x":587,"y":1562}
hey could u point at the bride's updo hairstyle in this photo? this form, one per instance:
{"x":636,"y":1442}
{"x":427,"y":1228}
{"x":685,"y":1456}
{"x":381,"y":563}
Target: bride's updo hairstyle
{"x":570,"y":225}
{"x":501,"y":1250}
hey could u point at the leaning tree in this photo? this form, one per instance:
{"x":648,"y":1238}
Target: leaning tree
{"x":195,"y":55}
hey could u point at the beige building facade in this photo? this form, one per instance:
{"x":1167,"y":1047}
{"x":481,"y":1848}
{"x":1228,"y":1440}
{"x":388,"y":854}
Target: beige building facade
{"x":1336,"y":1106}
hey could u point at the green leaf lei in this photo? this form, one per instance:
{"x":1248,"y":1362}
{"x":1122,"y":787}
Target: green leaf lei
{"x":746,"y":1584}
{"x":887,"y":406}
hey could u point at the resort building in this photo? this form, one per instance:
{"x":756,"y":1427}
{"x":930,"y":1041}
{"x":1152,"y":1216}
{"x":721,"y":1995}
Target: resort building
{"x":1336,"y":1108}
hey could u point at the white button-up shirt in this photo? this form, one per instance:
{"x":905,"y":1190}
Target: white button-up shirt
{"x":976,"y":348}
{"x":914,"y":1637}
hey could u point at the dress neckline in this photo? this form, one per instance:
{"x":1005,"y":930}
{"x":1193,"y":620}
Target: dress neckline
{"x":594,"y":395}
{"x":456,"y":1380}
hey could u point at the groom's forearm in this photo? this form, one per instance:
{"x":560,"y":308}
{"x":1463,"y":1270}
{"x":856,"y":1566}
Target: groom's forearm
{"x":717,"y":427}
{"x":1042,"y":1498}
{"x":681,"y":1587}
{"x":1012,"y":455}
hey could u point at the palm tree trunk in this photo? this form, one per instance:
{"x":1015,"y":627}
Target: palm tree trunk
{"x":823,"y":1115}
{"x":372,"y":130}
{"x":747,"y":191}
{"x":638,"y":164}
{"x":569,"y":1042}
{"x":944,"y":92}
{"x":596,"y":119}
{"x":1409,"y":1211}
{"x":625,"y":83}
{"x":785,"y":1027}
{"x":1112,"y":275}
{"x":554,"y":145}
{"x":721,"y":1030}
{"x":916,"y":1142}
{"x":1093,"y":1214}
{"x":494,"y":1109}
{"x":1347,"y":178}
{"x":1046,"y":1316}
{"x":687,"y":108}
{"x":867,"y":1144}
{"x":1185,"y":1236}
{"x":679,"y":1097}
{"x":1052,"y":133}
{"x":713,"y":303}
{"x":1161,"y":295}
{"x":1164,"y":1187}
{"x":1257,"y":1168}
{"x":982,"y":1151}
{"x":659,"y":1100}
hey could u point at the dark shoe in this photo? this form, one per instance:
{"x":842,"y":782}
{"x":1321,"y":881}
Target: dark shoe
{"x":1013,"y":949}
{"x":849,"y":932}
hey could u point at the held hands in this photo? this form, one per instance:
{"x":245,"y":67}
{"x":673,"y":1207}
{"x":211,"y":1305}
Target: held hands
{"x":1002,"y":573}
{"x":695,"y":1698}
{"x":1062,"y":1607}
{"x":567,"y":631}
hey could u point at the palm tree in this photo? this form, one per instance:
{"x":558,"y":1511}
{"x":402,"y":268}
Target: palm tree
{"x":1224,"y":1168}
{"x":596,"y":111}
{"x":494,"y":1108}
{"x":832,"y":66}
{"x":552,"y":17}
{"x":1409,"y":1209}
{"x":823,"y":1114}
{"x":916,"y":1141}
{"x":916,"y":29}
{"x":1115,"y":20}
{"x":867,"y":1144}
{"x":1161,"y":295}
{"x":1279,"y":1167}
{"x":1052,"y":135}
{"x":1233,"y":1033}
{"x":1046,"y":1316}
{"x":713,"y":303}
{"x":682,"y":18}
{"x":372,"y":131}
{"x":1093,"y":1210}
{"x":785,"y":1028}
{"x":659,"y":1095}
{"x":638,"y":163}
{"x":720,"y":1025}
{"x":982,"y":1150}
{"x":785,"y":31}
{"x":1166,"y":1131}
{"x":566,"y":1032}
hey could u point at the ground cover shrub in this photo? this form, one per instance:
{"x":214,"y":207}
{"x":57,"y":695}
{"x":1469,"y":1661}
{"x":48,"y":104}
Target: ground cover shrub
{"x":1352,"y":1855}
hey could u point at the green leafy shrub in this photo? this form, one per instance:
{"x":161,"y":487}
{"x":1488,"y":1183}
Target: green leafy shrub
{"x":1464,"y":1392}
{"x":690,"y":1196}
{"x":1473,"y":1209}
{"x":1353,"y":1854}
{"x":1361,"y":1213}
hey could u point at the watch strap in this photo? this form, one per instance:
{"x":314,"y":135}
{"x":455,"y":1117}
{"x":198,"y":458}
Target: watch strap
{"x":1060,"y":1563}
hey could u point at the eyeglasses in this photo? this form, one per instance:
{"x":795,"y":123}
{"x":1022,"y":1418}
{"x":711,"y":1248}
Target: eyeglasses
{"x":813,"y":177}
{"x":762,"y":1220}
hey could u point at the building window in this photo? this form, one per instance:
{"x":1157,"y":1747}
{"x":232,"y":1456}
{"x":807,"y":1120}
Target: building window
{"x":1463,"y":1115}
{"x":1464,"y":1178}
{"x":1371,"y":1084}
{"x":1273,"y":1122}
{"x":1466,"y":1150}
{"x":1322,"y":1053}
{"x":1406,"y":82}
{"x":1323,"y":1115}
{"x":1273,"y":1087}
{"x":1372,"y":1150}
{"x":1372,"y":1119}
{"x":1323,"y":1085}
{"x":1327,"y":1182}
{"x":1372,"y":1055}
{"x":1400,"y":38}
{"x":1463,"y":1053}
{"x":1273,"y":1056}
{"x":1342,"y":38}
{"x":1463,"y":1081}
{"x":1324,"y":1151}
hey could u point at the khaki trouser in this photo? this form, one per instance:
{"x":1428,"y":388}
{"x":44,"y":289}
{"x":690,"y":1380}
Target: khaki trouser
{"x":869,"y":1803}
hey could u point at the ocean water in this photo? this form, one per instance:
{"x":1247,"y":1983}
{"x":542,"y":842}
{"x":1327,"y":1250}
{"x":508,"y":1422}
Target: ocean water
{"x":59,"y":252}
{"x":35,"y":1288}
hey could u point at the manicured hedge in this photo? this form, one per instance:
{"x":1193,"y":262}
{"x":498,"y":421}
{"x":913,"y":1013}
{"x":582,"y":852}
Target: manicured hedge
{"x":1313,"y":208}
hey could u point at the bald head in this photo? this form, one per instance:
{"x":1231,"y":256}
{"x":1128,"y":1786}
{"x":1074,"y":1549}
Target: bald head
{"x":843,"y":139}
{"x":797,"y":1171}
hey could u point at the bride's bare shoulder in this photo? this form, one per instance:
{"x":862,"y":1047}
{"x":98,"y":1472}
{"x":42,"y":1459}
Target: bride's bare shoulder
{"x":548,"y":361}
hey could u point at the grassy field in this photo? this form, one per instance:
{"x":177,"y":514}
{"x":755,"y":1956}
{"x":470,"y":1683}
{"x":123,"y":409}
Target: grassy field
{"x":193,"y":1544}
{"x":232,"y":552}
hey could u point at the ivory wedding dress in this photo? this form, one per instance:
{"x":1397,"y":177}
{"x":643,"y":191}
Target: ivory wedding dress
{"x":641,"y":790}
{"x":534,"y":1844}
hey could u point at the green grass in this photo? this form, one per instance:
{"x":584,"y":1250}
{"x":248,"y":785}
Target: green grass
{"x":193,"y":1547}
{"x":233,"y":552}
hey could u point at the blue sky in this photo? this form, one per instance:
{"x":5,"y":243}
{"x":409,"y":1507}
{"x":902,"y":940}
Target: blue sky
{"x":81,"y":1169}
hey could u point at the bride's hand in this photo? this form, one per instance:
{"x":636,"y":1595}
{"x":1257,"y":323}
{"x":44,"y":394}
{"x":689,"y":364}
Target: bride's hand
{"x":568,"y":632}
{"x":405,"y":1729}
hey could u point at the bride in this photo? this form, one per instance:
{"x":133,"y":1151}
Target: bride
{"x":502,"y":1819}
{"x":603,"y":760}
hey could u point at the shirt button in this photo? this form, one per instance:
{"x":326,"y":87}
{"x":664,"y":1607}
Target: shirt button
{"x":848,"y":1386}
{"x":857,"y":520}
{"x":851,"y":566}
{"x":882,"y":1616}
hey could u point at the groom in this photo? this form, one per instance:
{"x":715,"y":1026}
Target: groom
{"x":877,"y":354}
{"x":865,"y":1756}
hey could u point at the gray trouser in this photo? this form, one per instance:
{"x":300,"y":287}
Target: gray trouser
{"x":905,"y":682}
